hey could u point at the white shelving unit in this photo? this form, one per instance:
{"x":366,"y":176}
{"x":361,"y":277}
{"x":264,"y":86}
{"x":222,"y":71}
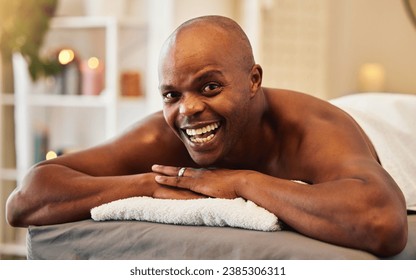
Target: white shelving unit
{"x":109,"y":106}
{"x":108,"y":102}
{"x":114,"y":113}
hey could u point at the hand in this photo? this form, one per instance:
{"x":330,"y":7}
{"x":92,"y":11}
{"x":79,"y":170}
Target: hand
{"x":220,"y":183}
{"x":167,"y":192}
{"x":156,"y":190}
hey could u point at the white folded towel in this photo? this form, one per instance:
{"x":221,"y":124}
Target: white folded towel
{"x":206,"y":211}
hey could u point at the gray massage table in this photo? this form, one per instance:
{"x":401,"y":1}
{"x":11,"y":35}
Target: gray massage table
{"x":127,"y":240}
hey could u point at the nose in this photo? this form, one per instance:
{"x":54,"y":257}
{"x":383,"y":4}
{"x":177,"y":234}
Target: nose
{"x":191,"y":104}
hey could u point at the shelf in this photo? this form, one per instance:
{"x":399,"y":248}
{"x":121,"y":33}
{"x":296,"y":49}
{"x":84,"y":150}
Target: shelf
{"x":81,"y":22}
{"x":126,"y":101}
{"x":94,"y":22}
{"x":54,"y":100}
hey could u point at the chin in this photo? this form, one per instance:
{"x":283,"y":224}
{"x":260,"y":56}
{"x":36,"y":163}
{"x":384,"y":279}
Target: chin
{"x":204,"y":160}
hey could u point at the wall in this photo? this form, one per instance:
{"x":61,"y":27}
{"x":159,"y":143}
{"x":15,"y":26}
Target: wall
{"x":294,"y":43}
{"x":318,"y":46}
{"x":371,"y":31}
{"x":187,"y":9}
{"x":356,"y":31}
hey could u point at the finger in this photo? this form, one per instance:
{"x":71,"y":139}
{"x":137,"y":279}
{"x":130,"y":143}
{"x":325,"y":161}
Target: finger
{"x":173,"y":181}
{"x":166,"y":170}
{"x":173,"y":193}
{"x":167,"y":180}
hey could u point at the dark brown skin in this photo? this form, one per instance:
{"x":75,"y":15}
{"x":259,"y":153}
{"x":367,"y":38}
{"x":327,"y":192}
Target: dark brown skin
{"x":266,"y":138}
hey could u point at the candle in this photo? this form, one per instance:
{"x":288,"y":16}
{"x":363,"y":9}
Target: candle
{"x":92,"y":72}
{"x":66,"y":56}
{"x":69,"y":77}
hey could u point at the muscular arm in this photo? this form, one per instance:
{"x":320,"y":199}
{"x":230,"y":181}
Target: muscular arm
{"x":352,"y":201}
{"x":66,"y":188}
{"x":364,"y":212}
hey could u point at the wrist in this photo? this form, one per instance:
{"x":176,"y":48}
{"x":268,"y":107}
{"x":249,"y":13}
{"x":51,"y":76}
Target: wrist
{"x":143,"y":184}
{"x":244,"y":183}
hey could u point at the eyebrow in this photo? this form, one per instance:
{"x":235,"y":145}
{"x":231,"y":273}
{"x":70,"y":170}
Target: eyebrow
{"x":208,"y":74}
{"x":198,"y":78}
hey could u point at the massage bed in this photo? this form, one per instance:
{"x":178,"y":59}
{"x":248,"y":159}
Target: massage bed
{"x":134,"y":240}
{"x":119,"y":233}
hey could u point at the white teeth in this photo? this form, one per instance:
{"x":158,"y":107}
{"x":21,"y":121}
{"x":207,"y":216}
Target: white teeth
{"x":202,"y":140}
{"x":199,"y":131}
{"x":202,"y":130}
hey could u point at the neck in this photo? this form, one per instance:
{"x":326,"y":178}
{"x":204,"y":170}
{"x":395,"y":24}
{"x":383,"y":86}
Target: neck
{"x":254,"y":151}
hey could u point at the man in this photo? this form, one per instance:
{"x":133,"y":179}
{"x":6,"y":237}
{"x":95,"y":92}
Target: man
{"x":235,"y":139}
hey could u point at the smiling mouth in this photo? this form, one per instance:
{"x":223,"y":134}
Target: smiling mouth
{"x":202,"y":134}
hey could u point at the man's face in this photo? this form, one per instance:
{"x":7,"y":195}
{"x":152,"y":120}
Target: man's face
{"x":206,"y":96}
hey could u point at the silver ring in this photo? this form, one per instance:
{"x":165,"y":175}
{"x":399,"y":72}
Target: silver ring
{"x":181,"y":171}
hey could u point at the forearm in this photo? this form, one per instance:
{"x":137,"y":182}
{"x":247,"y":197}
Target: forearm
{"x":305,"y":208}
{"x":56,"y":194}
{"x":347,"y":212}
{"x":365,"y":211}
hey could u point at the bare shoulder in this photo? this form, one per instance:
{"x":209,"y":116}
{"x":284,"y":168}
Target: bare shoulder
{"x":296,"y":105}
{"x":319,"y":137}
{"x":304,"y":113}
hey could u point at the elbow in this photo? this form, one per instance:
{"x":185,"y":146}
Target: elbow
{"x":23,"y":204}
{"x":386,"y":224}
{"x":14,"y":220}
{"x":388,"y":235}
{"x":14,"y":213}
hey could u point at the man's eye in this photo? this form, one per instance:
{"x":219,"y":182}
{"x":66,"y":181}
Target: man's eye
{"x":170,"y":96}
{"x":211,"y":88}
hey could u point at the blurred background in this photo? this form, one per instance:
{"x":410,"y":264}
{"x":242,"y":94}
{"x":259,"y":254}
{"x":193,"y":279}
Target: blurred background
{"x":74,"y":73}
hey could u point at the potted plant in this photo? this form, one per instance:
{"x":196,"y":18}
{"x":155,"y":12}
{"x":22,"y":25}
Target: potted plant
{"x":23,"y":26}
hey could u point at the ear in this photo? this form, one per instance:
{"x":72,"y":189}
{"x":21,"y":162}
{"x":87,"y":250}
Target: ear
{"x":256,"y":76}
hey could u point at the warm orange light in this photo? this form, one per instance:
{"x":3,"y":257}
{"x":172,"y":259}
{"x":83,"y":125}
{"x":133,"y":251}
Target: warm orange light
{"x":93,"y":62}
{"x":51,"y":155}
{"x":372,"y":77}
{"x":66,"y":56}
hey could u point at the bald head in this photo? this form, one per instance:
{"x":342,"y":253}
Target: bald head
{"x":211,"y":32}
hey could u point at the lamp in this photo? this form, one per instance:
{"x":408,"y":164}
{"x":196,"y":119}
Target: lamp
{"x":371,"y":77}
